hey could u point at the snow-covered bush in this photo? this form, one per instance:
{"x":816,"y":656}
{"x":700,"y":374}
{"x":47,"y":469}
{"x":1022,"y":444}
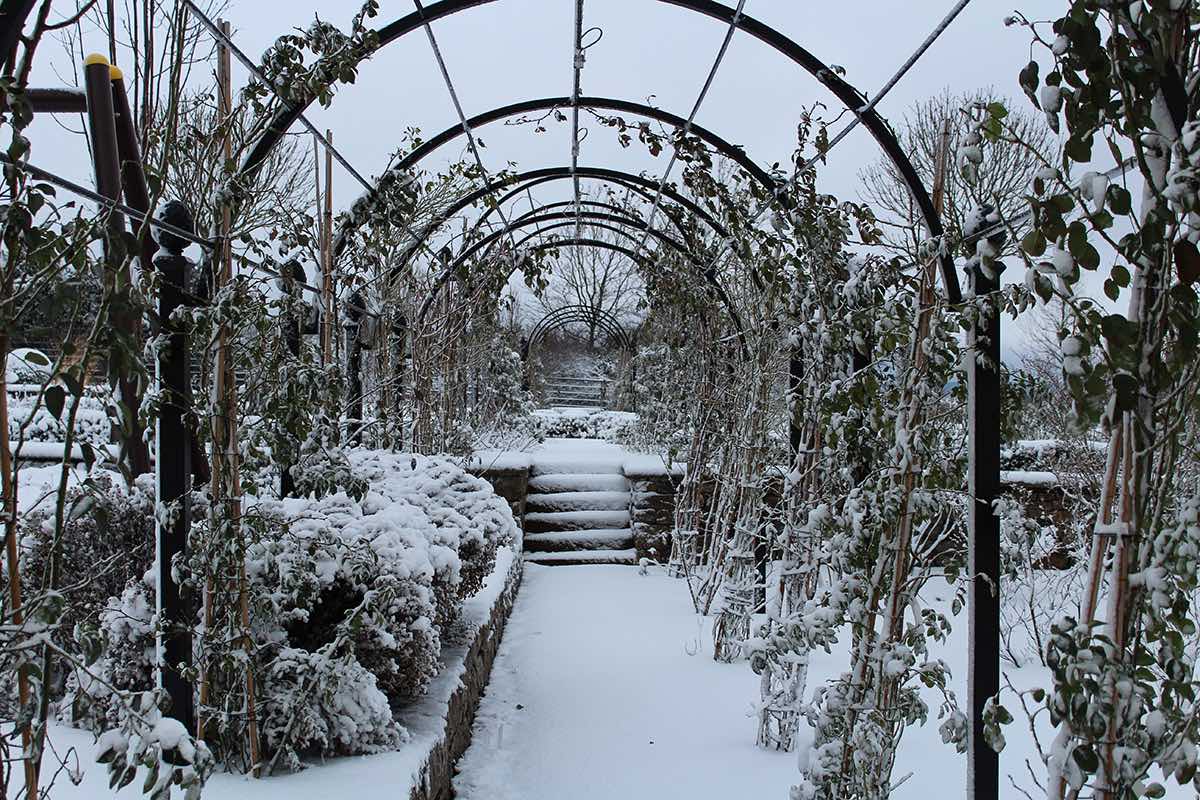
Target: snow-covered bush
{"x":93,"y":697}
{"x":92,"y":424}
{"x":348,"y":602}
{"x":107,"y":539}
{"x":343,"y":710}
{"x":613,"y":426}
{"x":350,"y":597}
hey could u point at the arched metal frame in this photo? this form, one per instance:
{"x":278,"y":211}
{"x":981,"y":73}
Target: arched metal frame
{"x":637,"y":184}
{"x":647,"y":263}
{"x":596,"y":204}
{"x":565,"y":315}
{"x":725,"y":148}
{"x":983,"y":383}
{"x":850,"y":97}
{"x":593,"y":219}
{"x":526,"y":180}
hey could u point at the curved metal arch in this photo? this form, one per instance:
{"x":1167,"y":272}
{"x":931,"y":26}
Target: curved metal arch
{"x":575,"y":241}
{"x":578,"y":313}
{"x":850,"y":97}
{"x":546,"y":207}
{"x":531,"y":178}
{"x":594,"y":220}
{"x":725,"y":148}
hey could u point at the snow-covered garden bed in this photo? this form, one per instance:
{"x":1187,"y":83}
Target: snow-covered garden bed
{"x":370,"y":608}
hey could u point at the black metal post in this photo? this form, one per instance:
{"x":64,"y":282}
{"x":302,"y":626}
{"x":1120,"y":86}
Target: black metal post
{"x":173,"y":466}
{"x":399,"y":356}
{"x":983,"y":555}
{"x":354,"y":348}
{"x":291,"y":275}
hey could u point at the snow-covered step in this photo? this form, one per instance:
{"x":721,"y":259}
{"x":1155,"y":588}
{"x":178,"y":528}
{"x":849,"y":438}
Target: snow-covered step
{"x":581,"y":466}
{"x":584,"y":557}
{"x":546,"y":521}
{"x":578,"y":482}
{"x":578,"y":501}
{"x":595,"y":539}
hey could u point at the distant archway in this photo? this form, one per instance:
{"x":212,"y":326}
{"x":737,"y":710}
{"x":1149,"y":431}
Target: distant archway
{"x":567,"y":315}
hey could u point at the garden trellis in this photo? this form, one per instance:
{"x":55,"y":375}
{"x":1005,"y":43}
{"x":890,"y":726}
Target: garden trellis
{"x":173,"y":464}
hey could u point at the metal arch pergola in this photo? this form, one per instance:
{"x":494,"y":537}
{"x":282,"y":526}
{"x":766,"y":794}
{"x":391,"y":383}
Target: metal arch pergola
{"x":565,"y":315}
{"x":850,"y":97}
{"x":983,"y":680}
{"x":527,"y":180}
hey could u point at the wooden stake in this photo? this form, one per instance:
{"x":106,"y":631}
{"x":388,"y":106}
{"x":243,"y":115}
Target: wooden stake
{"x":8,"y":485}
{"x":226,"y":472}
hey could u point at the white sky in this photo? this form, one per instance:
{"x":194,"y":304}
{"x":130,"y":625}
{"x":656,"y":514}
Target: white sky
{"x":514,"y":50}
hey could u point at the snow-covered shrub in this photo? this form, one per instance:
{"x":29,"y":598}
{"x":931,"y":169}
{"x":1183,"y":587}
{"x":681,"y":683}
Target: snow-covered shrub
{"x":342,"y":709}
{"x":92,"y":423}
{"x":93,"y":697}
{"x":107,"y":540}
{"x":613,"y":426}
{"x":325,"y":561}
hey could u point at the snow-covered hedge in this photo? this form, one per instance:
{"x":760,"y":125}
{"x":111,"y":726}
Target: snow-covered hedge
{"x":91,"y":422}
{"x":350,"y":600}
{"x":557,"y":423}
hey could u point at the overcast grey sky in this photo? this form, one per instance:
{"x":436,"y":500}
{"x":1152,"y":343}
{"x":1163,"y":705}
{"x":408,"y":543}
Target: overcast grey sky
{"x":514,"y":50}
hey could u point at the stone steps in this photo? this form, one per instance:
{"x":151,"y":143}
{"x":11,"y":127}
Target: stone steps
{"x":579,"y":557}
{"x":578,"y":512}
{"x":594,"y":539}
{"x":578,"y":500}
{"x":580,"y":520}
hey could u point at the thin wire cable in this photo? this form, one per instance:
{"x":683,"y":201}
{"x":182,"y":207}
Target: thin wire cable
{"x":151,"y":221}
{"x":254,"y":70}
{"x":687,"y":126}
{"x":216,"y":32}
{"x":727,"y":244}
{"x":576,"y":91}
{"x":462,"y":117}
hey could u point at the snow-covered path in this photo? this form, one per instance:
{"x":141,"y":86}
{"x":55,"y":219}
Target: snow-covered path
{"x":605,"y":687}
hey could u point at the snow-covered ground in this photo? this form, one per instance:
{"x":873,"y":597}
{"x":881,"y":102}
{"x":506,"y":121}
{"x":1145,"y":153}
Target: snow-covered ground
{"x":605,"y":688}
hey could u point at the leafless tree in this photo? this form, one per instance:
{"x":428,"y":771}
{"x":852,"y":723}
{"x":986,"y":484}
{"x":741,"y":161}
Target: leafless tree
{"x":605,"y":281}
{"x":1007,"y":171}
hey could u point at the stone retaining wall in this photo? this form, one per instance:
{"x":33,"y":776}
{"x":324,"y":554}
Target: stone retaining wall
{"x":511,"y":483}
{"x":434,"y":779}
{"x":652,"y":514}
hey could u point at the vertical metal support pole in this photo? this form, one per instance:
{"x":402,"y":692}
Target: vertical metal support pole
{"x":173,"y":466}
{"x":983,"y":555}
{"x":354,"y":386}
{"x":291,"y":274}
{"x":399,"y":356}
{"x":327,"y":288}
{"x":98,"y":77}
